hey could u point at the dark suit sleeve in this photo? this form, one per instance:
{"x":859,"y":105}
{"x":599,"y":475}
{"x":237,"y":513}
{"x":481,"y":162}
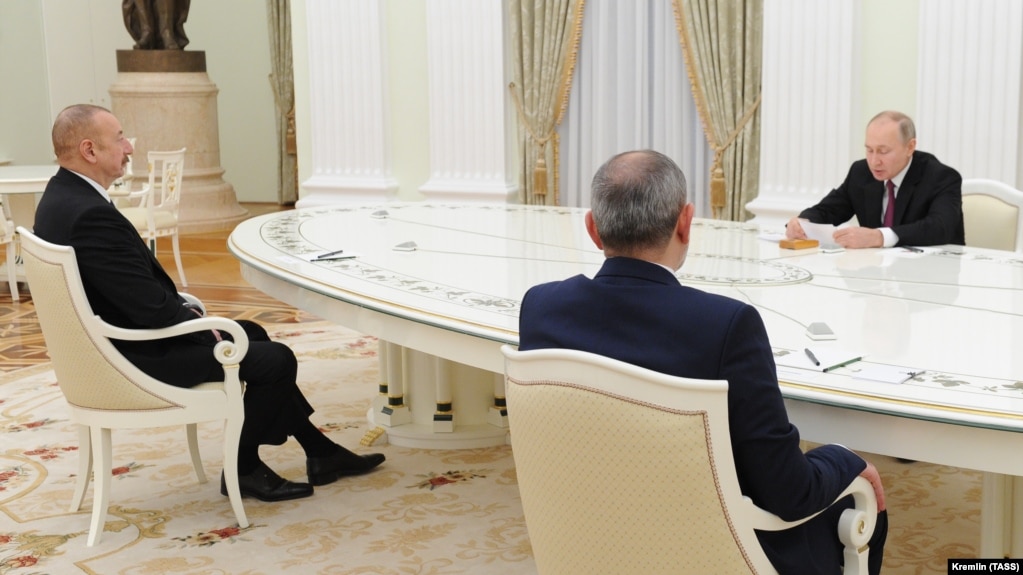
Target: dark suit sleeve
{"x":934,"y":215}
{"x":772,"y":469}
{"x":837,"y":207}
{"x":117,"y":272}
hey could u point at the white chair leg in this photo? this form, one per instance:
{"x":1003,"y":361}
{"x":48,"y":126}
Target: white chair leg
{"x":84,"y":467}
{"x":12,"y":270}
{"x":232,"y":435}
{"x":101,"y":452}
{"x":193,"y":450}
{"x":177,"y":260}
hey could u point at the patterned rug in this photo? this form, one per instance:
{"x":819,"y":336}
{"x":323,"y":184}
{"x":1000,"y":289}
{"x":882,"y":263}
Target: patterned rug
{"x":425,"y":512}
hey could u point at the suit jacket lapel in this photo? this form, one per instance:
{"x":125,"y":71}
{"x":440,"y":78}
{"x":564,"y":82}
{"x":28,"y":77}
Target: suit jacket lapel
{"x":909,"y":183}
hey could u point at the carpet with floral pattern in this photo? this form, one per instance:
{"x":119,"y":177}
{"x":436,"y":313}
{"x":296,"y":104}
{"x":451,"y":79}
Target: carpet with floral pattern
{"x":424,"y":512}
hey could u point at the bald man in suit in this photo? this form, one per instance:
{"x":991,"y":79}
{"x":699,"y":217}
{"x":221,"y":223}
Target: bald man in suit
{"x":635,"y":310}
{"x":127,"y":287}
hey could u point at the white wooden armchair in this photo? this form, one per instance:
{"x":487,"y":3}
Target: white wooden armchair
{"x":8,"y":238}
{"x":993,"y":215}
{"x":624,"y":470}
{"x":157,"y":214}
{"x":104,"y":391}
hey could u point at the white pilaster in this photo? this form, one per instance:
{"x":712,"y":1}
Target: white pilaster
{"x":347,"y":99}
{"x":968,"y":85}
{"x":470,"y":151}
{"x":807,"y":111}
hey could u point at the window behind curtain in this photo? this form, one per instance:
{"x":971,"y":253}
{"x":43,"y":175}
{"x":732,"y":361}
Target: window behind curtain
{"x":630,"y":91}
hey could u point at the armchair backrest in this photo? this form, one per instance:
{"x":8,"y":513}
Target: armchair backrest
{"x":625,"y":470}
{"x":993,"y":215}
{"x":91,"y":372}
{"x":166,"y":172}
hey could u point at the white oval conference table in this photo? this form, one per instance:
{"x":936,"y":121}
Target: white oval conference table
{"x":440,"y":286}
{"x":20,"y":187}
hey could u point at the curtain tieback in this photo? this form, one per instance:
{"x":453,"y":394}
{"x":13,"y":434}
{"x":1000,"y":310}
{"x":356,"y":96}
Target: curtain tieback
{"x":540,"y":168}
{"x":717,"y":171}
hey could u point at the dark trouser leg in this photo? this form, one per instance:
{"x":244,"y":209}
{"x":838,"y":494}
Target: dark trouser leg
{"x":274,"y":405}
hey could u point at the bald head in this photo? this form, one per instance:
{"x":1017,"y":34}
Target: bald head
{"x":636,"y":200}
{"x":88,"y":139}
{"x":73,"y":124}
{"x":906,"y":127}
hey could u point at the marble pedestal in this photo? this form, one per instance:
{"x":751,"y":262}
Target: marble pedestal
{"x":165,"y":100}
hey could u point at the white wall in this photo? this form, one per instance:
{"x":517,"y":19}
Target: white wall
{"x":888,"y":37}
{"x":57,"y":53}
{"x":24,"y":110}
{"x":236,"y":40}
{"x":407,"y":78}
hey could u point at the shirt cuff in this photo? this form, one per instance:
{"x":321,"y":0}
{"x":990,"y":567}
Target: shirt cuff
{"x":890,"y":237}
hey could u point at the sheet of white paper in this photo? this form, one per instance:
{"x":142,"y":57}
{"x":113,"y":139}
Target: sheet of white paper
{"x":886,"y":373}
{"x":821,"y":232}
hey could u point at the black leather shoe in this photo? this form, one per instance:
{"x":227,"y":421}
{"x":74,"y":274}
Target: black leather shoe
{"x":265,"y":485}
{"x":324,"y":470}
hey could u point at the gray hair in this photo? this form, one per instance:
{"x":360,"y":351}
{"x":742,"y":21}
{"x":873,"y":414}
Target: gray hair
{"x":73,"y":124}
{"x":636,"y":200}
{"x":907,"y":129}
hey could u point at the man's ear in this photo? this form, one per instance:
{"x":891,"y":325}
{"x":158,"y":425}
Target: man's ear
{"x":87,"y":149}
{"x":591,"y":228}
{"x":685,"y":222}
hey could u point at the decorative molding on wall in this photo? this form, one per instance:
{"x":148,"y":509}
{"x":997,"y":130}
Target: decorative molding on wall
{"x":470,"y":152}
{"x":807,"y":110}
{"x":348,"y":103}
{"x":968,"y":96}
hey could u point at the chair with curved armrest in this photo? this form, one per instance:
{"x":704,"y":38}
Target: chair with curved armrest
{"x":157,"y":215}
{"x":993,"y":215}
{"x":7,"y":237}
{"x":104,"y":391}
{"x":625,"y":470}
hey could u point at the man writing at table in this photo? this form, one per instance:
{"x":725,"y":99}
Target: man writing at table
{"x":899,"y":195}
{"x":635,"y":310}
{"x":127,"y":287}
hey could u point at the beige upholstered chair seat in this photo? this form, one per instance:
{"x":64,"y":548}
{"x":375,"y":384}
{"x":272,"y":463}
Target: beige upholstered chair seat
{"x":626,"y":471}
{"x":104,"y":391}
{"x":137,"y":215}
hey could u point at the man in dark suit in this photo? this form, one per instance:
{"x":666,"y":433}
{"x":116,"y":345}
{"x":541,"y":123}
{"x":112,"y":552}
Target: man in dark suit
{"x":928,"y":198}
{"x":635,"y":310}
{"x":127,"y":287}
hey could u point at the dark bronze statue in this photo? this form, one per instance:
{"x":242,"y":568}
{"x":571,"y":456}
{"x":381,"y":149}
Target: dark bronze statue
{"x":156,"y":24}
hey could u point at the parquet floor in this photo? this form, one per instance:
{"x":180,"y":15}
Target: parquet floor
{"x":213,"y":274}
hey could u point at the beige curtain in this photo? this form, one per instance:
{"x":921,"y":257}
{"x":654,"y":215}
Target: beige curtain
{"x":722,"y":44}
{"x":282,"y":82}
{"x":545,"y":38}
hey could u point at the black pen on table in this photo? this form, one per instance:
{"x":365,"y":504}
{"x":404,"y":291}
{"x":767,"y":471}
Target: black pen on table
{"x":812,"y":357}
{"x":328,"y":254}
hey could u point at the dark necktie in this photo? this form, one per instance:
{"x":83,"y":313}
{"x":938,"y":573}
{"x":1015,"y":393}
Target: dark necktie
{"x":889,"y":213}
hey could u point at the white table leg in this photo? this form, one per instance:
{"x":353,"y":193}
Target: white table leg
{"x":995,"y":515}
